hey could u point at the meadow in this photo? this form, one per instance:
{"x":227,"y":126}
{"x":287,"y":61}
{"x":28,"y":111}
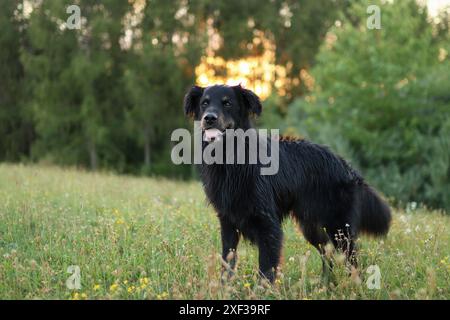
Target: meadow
{"x":152,"y":238}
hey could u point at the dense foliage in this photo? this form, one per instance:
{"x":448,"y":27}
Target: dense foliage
{"x":382,"y":99}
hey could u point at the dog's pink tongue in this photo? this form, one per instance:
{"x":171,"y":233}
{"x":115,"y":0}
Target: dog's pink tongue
{"x":212,"y":134}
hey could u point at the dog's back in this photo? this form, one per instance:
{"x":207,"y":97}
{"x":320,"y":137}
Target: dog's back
{"x":326,"y":192}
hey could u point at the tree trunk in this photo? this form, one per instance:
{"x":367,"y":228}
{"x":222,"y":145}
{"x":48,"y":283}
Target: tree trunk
{"x":147,"y":146}
{"x":92,"y":155}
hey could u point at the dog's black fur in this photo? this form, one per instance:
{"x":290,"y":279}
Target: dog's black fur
{"x":328,"y":198}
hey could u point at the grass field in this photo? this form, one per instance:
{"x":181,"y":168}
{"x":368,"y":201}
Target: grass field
{"x":141,"y":238}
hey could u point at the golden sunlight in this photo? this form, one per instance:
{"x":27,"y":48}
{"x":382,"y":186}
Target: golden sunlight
{"x":258,"y":73}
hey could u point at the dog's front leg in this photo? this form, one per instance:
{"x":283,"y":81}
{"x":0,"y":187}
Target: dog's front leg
{"x":269,"y":240}
{"x":230,"y":240}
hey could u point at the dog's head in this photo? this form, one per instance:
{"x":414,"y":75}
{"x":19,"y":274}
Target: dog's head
{"x":221,"y":107}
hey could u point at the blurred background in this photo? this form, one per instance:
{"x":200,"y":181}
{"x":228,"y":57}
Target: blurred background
{"x":106,"y":96}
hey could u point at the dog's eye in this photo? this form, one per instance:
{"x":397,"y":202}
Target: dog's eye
{"x":227,"y":103}
{"x":205,"y":103}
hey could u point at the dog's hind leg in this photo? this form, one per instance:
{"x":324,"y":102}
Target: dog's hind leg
{"x":230,"y":240}
{"x":344,"y":240}
{"x":319,"y":239}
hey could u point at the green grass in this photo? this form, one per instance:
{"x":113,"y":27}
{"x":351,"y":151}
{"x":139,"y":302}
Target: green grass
{"x":141,"y":238}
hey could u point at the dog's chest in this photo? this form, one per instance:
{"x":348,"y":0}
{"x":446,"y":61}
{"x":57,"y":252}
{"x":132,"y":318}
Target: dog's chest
{"x":230,"y":189}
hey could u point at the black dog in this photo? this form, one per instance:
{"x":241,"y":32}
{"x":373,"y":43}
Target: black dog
{"x":330,"y":200}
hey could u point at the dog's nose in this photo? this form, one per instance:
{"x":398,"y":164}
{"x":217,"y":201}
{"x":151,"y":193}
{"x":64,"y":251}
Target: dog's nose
{"x":210,"y":118}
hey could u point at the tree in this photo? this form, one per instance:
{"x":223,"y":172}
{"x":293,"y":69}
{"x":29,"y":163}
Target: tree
{"x":75,"y":76}
{"x":16,"y":130}
{"x":159,"y":70}
{"x":381,"y":97}
{"x":152,"y":81}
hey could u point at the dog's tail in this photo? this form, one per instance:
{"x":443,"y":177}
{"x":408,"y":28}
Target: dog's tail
{"x":375,"y":214}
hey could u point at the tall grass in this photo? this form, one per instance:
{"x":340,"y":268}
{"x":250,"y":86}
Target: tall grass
{"x":141,"y":238}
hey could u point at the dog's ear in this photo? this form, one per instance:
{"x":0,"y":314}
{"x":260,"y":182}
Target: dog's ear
{"x":191,"y":101}
{"x":250,"y":99}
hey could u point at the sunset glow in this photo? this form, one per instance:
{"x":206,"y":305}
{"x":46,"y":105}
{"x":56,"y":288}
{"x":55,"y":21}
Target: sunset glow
{"x":257,"y":73}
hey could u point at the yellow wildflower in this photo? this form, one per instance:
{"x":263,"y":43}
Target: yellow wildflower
{"x":113,"y":287}
{"x":144,"y":281}
{"x":96,"y":287}
{"x":162,"y":296}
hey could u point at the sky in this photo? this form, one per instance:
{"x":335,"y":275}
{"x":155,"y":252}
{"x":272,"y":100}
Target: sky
{"x":435,"y":5}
